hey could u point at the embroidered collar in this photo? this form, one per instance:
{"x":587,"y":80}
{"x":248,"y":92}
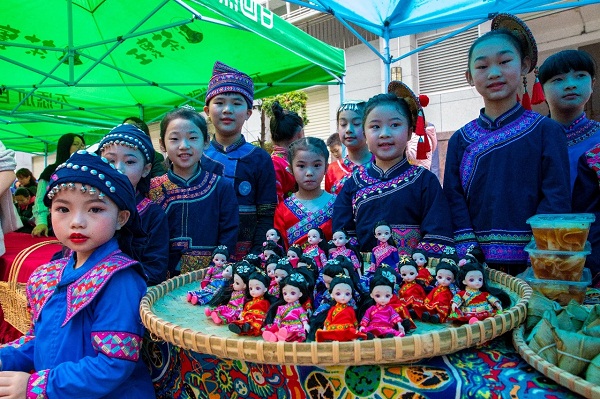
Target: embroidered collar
{"x":377,"y":172}
{"x":509,"y":116}
{"x":219,"y":147}
{"x":580,"y":129}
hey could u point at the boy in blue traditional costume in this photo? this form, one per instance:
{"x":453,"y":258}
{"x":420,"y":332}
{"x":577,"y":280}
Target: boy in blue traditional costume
{"x":509,"y":164}
{"x":86,"y":335}
{"x":246,"y":167}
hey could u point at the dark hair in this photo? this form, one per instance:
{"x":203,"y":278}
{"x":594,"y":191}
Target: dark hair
{"x":380,"y":279}
{"x":263,"y":278}
{"x":517,"y":44}
{"x":285,"y":124}
{"x":334,"y":139}
{"x":280,"y":241}
{"x":340,"y":279}
{"x":296,"y":249}
{"x":356,"y":106}
{"x":22,"y":191}
{"x":297,"y":280}
{"x":422,"y":252}
{"x":184,"y":113}
{"x":272,"y":259}
{"x":311,"y":144}
{"x":566,"y":61}
{"x":443,"y":265}
{"x":63,"y":152}
{"x":273,"y":246}
{"x":285,"y":265}
{"x":139,"y":123}
{"x":391,"y":241}
{"x":254,"y":260}
{"x":389,"y":98}
{"x":243,"y":269}
{"x":24,"y":172}
{"x":221,"y":249}
{"x":475,"y":267}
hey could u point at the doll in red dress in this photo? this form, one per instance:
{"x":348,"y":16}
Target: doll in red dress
{"x":315,"y":247}
{"x":293,"y":255}
{"x":412,"y":293}
{"x":422,"y":260}
{"x":474,"y":302}
{"x":341,"y":323}
{"x":436,"y":307}
{"x":255,"y":309}
{"x":381,"y":320}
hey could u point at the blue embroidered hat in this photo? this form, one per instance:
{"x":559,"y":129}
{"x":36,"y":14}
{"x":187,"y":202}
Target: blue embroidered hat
{"x":226,"y":79}
{"x":94,"y":173}
{"x":131,"y":136}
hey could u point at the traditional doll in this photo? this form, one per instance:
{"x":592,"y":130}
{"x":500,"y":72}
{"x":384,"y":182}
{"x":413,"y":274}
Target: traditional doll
{"x":293,"y":254}
{"x":254,"y":260}
{"x":307,"y":267}
{"x":436,"y":306}
{"x":270,"y":248}
{"x":340,"y":241}
{"x":282,"y":270}
{"x":411,"y":293}
{"x":474,"y":302}
{"x":227,"y":304}
{"x":270,"y":266}
{"x":315,"y":248}
{"x":287,"y":320}
{"x":217,"y":276}
{"x":381,"y":320}
{"x":274,"y":235}
{"x":256,"y":307}
{"x":341,"y":323}
{"x":422,"y":260}
{"x":385,"y":251}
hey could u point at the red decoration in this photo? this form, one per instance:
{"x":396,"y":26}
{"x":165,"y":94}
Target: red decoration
{"x":526,"y":103}
{"x":537,"y":94}
{"x":423,"y":146}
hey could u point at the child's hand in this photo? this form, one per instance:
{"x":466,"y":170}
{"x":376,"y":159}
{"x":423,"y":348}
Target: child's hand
{"x":13,"y":384}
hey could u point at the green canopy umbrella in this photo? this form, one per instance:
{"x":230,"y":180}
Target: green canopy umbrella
{"x":77,"y":65}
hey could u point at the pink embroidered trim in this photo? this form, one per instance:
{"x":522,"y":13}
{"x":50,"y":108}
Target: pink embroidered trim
{"x":118,"y":345}
{"x":36,"y":385}
{"x":42,"y":284}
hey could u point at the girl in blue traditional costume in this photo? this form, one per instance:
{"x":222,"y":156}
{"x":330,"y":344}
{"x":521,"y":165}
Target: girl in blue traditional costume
{"x":408,"y":197}
{"x":567,"y":78}
{"x":131,"y":151}
{"x":509,"y":164}
{"x":86,"y":332}
{"x":310,"y":206}
{"x":247,"y":168}
{"x":201,"y":206}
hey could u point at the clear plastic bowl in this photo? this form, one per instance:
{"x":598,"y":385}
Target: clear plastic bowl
{"x":559,"y":290}
{"x":557,"y":265}
{"x":561,"y":232}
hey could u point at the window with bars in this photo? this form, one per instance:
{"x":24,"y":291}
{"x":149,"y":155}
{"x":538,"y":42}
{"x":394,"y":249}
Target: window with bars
{"x":443,"y":65}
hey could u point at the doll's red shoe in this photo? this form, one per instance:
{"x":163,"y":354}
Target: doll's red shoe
{"x":215,"y":318}
{"x":189,"y":296}
{"x":269,"y":336}
{"x":194,"y":300}
{"x":282,"y":334}
{"x":473,"y":320}
{"x":207,"y":312}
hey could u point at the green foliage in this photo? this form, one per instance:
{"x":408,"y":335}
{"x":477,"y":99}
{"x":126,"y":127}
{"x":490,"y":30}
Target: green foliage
{"x":293,"y":101}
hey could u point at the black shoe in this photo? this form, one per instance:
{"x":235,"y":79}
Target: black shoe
{"x":370,"y":335}
{"x":412,"y":313}
{"x":234,"y":328}
{"x":246,"y":327}
{"x":389,"y":335}
{"x":406,"y":324}
{"x":435,"y":319}
{"x":425,"y":316}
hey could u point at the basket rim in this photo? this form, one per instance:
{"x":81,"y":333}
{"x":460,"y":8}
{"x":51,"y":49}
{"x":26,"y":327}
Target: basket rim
{"x":555,"y":373}
{"x":409,"y":348}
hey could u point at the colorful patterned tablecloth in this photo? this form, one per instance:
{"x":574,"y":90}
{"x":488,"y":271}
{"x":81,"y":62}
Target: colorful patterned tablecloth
{"x":491,"y":371}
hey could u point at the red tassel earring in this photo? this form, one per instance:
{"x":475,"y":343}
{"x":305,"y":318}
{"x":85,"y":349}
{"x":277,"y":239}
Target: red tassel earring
{"x":537,"y":94}
{"x":526,"y":103}
{"x":423,"y":146}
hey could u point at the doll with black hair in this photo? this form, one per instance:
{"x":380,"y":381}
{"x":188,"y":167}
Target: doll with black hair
{"x":270,"y":265}
{"x":227,"y":304}
{"x":294,"y":253}
{"x":282,"y":270}
{"x":422,"y":260}
{"x":342,"y":247}
{"x":412,"y":292}
{"x":475,"y":301}
{"x":437,"y":305}
{"x":385,"y":251}
{"x":254,"y":260}
{"x":275,"y":235}
{"x":269,"y":248}
{"x":287,"y":319}
{"x":316,"y":247}
{"x":217,"y":276}
{"x":341,"y":323}
{"x":255,"y":310}
{"x":381,"y":319}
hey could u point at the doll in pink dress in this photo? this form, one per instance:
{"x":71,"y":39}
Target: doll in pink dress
{"x":253,"y":316}
{"x":315,"y":248}
{"x":412,"y":293}
{"x":340,"y":241}
{"x":217,"y":276}
{"x":287,"y":319}
{"x":282,"y":270}
{"x":270,"y":248}
{"x":381,"y":320}
{"x":474,"y":302}
{"x":436,"y":306}
{"x":227,"y":305}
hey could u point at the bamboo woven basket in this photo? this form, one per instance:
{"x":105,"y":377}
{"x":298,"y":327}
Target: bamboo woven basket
{"x":12,"y":293}
{"x":562,"y":377}
{"x":447,"y":339}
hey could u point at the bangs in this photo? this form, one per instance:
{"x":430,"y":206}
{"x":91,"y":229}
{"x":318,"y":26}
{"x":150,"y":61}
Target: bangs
{"x":564,"y":62}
